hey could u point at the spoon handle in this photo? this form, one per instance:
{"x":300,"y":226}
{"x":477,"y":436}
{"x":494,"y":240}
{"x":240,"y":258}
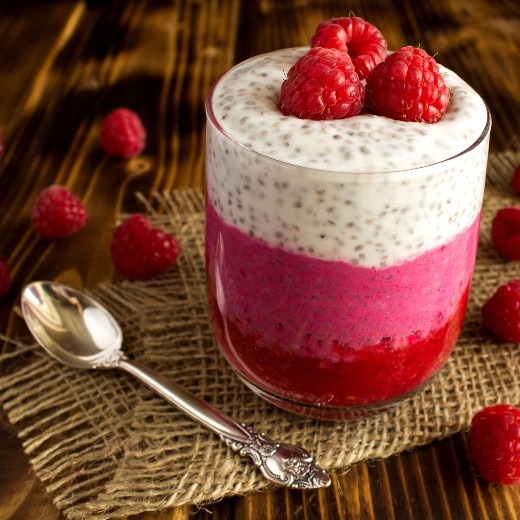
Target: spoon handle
{"x":188,"y":403}
{"x":281,"y":463}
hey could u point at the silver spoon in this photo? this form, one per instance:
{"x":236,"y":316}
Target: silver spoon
{"x":81,"y":333}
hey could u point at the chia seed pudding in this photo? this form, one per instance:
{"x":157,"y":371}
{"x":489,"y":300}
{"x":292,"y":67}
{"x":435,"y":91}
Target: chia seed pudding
{"x":339,"y":253}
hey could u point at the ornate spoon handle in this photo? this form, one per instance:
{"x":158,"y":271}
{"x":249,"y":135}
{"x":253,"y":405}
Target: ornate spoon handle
{"x":285,"y":464}
{"x":281,"y":463}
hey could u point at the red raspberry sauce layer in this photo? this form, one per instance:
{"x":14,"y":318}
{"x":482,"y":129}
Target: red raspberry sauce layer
{"x":329,"y":333}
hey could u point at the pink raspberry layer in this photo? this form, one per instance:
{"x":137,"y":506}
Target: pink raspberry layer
{"x":329,"y":333}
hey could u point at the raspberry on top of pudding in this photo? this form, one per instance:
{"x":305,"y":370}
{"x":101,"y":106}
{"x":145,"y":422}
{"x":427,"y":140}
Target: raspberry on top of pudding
{"x":246,"y":100}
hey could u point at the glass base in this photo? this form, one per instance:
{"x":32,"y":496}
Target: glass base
{"x":332,"y":413}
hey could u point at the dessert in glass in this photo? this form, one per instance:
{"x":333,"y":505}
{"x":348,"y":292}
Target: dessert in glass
{"x":339,"y":252}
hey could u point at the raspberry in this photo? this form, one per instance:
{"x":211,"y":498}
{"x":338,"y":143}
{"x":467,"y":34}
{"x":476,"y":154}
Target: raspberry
{"x":364,"y":42}
{"x":322,"y":85}
{"x":515,"y":181}
{"x":139,"y":250}
{"x":495,"y":443}
{"x":5,"y":277}
{"x":123,"y":134}
{"x":330,"y":35}
{"x":505,"y":232}
{"x":501,"y":313}
{"x":408,"y":86}
{"x":58,"y":213}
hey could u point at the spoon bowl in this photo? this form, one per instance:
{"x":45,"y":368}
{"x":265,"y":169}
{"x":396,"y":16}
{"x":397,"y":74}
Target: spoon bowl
{"x":70,"y":326}
{"x":78,"y":331}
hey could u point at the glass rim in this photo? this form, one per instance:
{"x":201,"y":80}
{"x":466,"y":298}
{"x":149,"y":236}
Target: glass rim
{"x":418,"y":171}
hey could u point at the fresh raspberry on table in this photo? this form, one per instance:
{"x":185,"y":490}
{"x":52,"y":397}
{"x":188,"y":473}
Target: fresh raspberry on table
{"x":364,"y":42}
{"x":123,"y":134}
{"x":505,"y":232}
{"x":408,"y":86}
{"x":58,"y":213}
{"x":5,"y":277}
{"x":322,"y":85}
{"x":501,"y":313}
{"x":495,"y":443}
{"x":515,"y":180}
{"x":139,"y":250}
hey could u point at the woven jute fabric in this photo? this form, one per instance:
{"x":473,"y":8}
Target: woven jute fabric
{"x":105,"y":446}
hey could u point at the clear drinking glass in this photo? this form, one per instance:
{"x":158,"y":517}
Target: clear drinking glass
{"x":336,"y":294}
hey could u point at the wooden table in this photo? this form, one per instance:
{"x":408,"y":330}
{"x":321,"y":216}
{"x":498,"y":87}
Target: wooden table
{"x":64,"y":64}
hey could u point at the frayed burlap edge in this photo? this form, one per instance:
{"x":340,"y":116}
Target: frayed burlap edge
{"x":104,"y":446}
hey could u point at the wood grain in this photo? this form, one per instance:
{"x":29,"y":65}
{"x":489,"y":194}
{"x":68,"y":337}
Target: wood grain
{"x":65,"y":64}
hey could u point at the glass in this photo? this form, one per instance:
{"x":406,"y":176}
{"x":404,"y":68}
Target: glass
{"x":353,"y":327}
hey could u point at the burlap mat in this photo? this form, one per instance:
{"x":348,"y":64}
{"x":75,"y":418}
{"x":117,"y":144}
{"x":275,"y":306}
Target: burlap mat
{"x":105,"y":446}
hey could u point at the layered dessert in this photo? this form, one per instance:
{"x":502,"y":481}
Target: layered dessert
{"x":339,"y":252}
